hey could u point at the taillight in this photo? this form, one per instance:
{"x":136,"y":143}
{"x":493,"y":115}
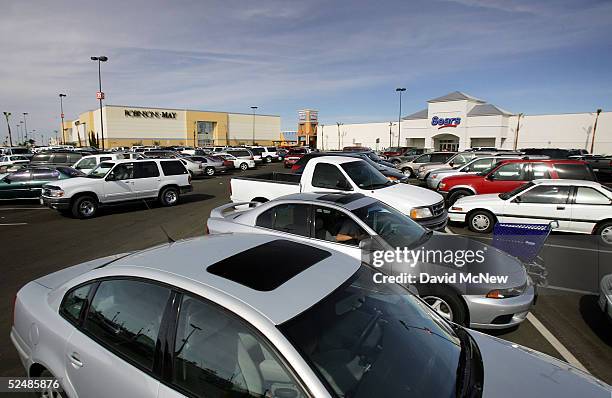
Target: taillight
{"x":295,"y":167}
{"x":189,"y":178}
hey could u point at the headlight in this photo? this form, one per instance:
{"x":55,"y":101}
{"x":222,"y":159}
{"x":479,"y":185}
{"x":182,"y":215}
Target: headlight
{"x":507,"y":293}
{"x":420,"y":212}
{"x":433,"y":176}
{"x":56,"y":193}
{"x":391,"y":178}
{"x":441,"y":185}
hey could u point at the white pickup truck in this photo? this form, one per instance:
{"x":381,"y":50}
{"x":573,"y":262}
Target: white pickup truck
{"x":117,"y":181}
{"x":344,"y":174}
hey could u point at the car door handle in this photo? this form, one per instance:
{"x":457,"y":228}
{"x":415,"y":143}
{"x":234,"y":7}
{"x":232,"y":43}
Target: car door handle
{"x":560,"y":207}
{"x":75,"y":360}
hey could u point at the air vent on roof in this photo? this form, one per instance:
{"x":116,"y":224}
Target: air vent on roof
{"x":268,"y":266}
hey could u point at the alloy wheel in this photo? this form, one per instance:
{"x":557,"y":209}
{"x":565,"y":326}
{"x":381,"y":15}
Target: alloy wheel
{"x":170,"y":197}
{"x":87,"y":208}
{"x":480,"y":222}
{"x":606,"y":235}
{"x":441,"y":307}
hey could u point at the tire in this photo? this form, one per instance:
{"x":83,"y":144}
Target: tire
{"x":84,"y":207}
{"x":396,"y":162}
{"x":445,"y":302}
{"x":407,"y":171}
{"x":244,"y":166}
{"x":481,"y":221}
{"x":169,"y":196}
{"x":209,"y":171}
{"x":49,"y":393}
{"x":605,"y":232}
{"x":456,"y":195}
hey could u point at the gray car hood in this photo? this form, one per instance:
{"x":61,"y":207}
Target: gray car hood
{"x":511,"y":371}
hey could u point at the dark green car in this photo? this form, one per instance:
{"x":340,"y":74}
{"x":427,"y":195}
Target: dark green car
{"x":27,"y":183}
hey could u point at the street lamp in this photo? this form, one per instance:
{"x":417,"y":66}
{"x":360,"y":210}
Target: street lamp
{"x":391,"y":124}
{"x":339,"y":124}
{"x":7,"y":115}
{"x":25,"y":125}
{"x":322,"y":137}
{"x":253,"y":108}
{"x":61,"y":97}
{"x":99,"y":94}
{"x":21,"y":131}
{"x":400,"y":90}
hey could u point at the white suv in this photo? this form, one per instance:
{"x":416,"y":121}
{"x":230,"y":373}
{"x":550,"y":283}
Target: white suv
{"x":119,"y":181}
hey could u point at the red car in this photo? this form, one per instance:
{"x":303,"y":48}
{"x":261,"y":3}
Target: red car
{"x":395,"y":151}
{"x":294,"y":155}
{"x":510,"y":174}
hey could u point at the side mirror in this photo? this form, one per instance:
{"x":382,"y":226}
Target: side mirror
{"x":451,"y":164}
{"x":517,"y":199}
{"x":491,"y":177}
{"x":368,"y":244}
{"x":110,"y":176}
{"x":554,"y":224}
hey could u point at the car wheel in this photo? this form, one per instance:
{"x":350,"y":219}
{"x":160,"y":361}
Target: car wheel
{"x":605,"y":232}
{"x":49,"y":392}
{"x":210,"y":171}
{"x":169,"y":196}
{"x":407,"y":171}
{"x":396,"y":162}
{"x":481,"y":221}
{"x":268,"y":159}
{"x":85,"y":207}
{"x":455,"y":196}
{"x":244,"y":166}
{"x":445,"y":303}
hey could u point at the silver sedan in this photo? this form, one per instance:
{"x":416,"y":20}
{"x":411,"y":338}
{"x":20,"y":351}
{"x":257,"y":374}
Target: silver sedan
{"x":226,"y":316}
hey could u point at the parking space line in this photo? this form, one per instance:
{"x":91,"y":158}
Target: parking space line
{"x":565,"y":353}
{"x":566,"y":289}
{"x":24,"y":208}
{"x":13,"y":224}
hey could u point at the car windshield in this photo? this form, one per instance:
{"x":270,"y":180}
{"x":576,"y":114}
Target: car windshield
{"x":397,"y":229}
{"x":515,"y":191}
{"x":101,"y":170}
{"x":365,"y":176}
{"x":377,"y":340}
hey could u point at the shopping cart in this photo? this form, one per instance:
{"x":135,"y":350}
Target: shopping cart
{"x":525,"y":242}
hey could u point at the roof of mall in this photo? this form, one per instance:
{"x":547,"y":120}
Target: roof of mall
{"x":456,"y":96}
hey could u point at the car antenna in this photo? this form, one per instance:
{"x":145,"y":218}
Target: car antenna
{"x":168,"y":237}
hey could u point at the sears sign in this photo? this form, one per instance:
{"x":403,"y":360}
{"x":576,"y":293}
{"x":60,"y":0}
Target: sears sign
{"x":445,"y":122}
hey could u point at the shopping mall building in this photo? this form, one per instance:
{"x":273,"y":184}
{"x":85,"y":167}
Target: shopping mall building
{"x":131,"y":125}
{"x":459,"y":121}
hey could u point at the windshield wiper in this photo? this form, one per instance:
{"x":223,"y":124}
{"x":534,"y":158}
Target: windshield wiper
{"x":469,"y":369}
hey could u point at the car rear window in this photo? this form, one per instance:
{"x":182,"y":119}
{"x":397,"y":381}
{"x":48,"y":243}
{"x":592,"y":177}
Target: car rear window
{"x":574,"y":171}
{"x":41,"y":157}
{"x":173,"y":167}
{"x":265,"y":267}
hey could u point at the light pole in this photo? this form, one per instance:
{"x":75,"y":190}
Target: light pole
{"x":594,"y":130}
{"x":322,"y":138}
{"x":61,"y":97}
{"x":390,"y":134}
{"x":25,"y":125}
{"x":100,"y":93}
{"x":400,"y":90}
{"x":7,"y":115}
{"x":253,"y":108}
{"x":33,"y":135}
{"x":339,"y":124}
{"x":21,"y":131}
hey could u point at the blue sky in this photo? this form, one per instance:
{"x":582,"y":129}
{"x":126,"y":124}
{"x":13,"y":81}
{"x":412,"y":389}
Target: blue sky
{"x":344,"y":58}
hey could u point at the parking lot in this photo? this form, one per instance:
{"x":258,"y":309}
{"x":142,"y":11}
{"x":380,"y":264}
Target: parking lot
{"x":566,"y":322}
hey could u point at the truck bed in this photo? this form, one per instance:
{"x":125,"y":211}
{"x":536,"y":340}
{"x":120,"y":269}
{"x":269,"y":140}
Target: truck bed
{"x":263,"y":187}
{"x":282,"y":178}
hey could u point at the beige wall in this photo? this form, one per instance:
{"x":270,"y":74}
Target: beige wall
{"x":267,"y":128}
{"x":220,"y":132}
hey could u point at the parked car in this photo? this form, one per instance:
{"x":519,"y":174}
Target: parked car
{"x":552,"y":153}
{"x":196,"y":168}
{"x":202,"y":305}
{"x":349,"y":222}
{"x":511,"y":174}
{"x":210,"y":164}
{"x":457,"y":160}
{"x":406,"y":156}
{"x":605,"y":296}
{"x":294,"y":155}
{"x":57,"y":158}
{"x":579,"y":206}
{"x":238,"y":163}
{"x":131,"y":155}
{"x":243,"y":153}
{"x":264,"y":153}
{"x":27,"y":182}
{"x":10,"y":160}
{"x":344,"y":174}
{"x":119,"y":181}
{"x":476,"y":165}
{"x":14,"y":150}
{"x":410,"y":168}
{"x":88,"y":163}
{"x":282,"y":153}
{"x":160,"y":154}
{"x":396,"y":151}
{"x":601,"y":165}
{"x":389,"y":172}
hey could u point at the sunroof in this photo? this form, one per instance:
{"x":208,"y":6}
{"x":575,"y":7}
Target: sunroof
{"x":268,"y":266}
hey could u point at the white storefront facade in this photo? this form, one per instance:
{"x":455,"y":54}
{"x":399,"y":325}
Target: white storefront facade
{"x":459,"y":121}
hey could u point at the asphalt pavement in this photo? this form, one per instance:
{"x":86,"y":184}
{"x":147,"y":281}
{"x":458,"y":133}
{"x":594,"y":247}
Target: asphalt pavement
{"x":37,"y":241}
